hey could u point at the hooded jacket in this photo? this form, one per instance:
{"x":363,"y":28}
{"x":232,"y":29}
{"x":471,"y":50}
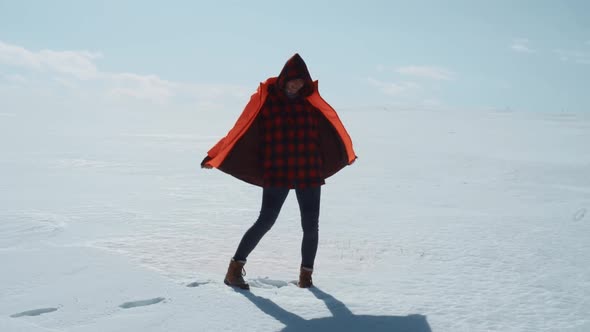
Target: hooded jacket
{"x":238,"y":153}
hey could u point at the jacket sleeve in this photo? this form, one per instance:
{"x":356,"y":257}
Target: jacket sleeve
{"x":238,"y":126}
{"x":217,"y":153}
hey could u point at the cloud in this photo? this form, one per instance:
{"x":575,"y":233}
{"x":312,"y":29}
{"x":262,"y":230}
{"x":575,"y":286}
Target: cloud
{"x":17,"y":56}
{"x":14,"y":78}
{"x":429,"y":72}
{"x":142,"y":87}
{"x":392,"y":88}
{"x":79,"y":64}
{"x":78,"y":70}
{"x":580,"y":57}
{"x":521,"y":45}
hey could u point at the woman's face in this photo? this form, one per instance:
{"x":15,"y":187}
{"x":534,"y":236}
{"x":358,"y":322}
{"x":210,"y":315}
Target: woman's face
{"x":292,"y":87}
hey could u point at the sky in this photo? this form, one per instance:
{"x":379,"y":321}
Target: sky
{"x":207,"y":55}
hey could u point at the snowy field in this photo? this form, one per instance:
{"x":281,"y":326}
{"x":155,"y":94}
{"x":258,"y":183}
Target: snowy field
{"x":448,"y":221}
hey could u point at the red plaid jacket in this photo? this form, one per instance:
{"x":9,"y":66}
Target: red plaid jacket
{"x":277,"y":141}
{"x":290,"y":150}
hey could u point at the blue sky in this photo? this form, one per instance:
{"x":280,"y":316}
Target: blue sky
{"x":472,"y":55}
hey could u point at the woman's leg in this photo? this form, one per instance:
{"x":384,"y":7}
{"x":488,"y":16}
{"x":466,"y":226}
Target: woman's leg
{"x":272,"y":201}
{"x":309,"y":206}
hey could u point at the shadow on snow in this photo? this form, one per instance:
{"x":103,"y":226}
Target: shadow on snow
{"x":342,"y":318}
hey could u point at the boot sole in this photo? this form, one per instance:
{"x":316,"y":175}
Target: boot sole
{"x":244,"y":287}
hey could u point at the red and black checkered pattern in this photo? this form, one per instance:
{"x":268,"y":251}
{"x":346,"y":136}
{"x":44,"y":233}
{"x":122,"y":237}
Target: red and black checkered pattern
{"x":283,"y":142}
{"x":290,"y":143}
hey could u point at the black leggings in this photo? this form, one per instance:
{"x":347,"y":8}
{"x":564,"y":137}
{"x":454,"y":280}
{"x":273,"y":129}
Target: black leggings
{"x":272,"y":201}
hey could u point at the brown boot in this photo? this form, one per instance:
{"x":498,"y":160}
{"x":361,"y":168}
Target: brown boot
{"x":235,"y":275}
{"x":305,"y":277}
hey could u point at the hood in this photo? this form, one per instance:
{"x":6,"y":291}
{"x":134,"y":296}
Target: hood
{"x":295,"y":68}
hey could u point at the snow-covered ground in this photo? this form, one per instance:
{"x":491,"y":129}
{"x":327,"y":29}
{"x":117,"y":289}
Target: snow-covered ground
{"x":448,"y":221}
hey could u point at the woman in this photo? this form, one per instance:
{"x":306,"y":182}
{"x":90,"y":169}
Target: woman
{"x":287,"y":138}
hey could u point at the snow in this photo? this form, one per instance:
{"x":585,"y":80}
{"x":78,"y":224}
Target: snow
{"x":448,"y":221}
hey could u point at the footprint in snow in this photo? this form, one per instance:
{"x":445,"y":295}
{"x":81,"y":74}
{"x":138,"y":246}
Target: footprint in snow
{"x":269,"y":283}
{"x":141,"y":303}
{"x":35,"y":312}
{"x":197,"y":284}
{"x":579,"y":215}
